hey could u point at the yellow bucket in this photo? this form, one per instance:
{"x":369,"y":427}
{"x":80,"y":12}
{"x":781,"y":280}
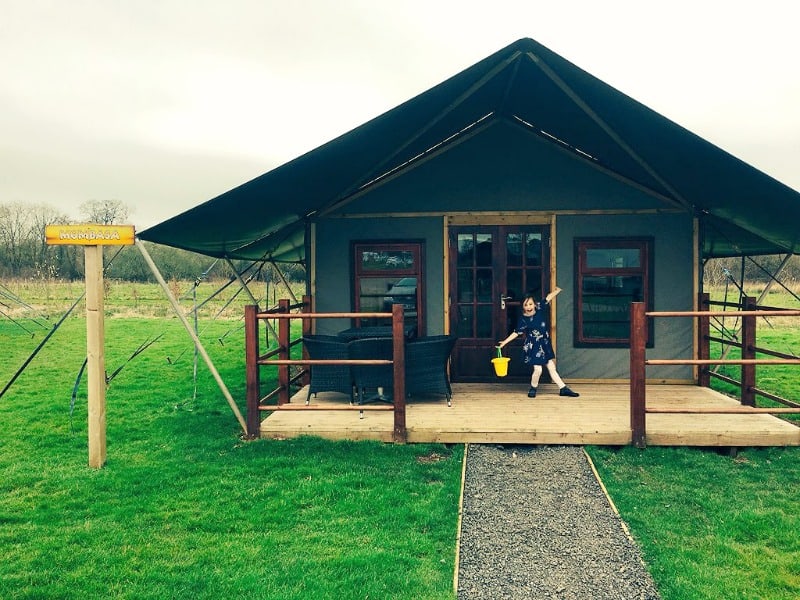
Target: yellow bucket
{"x":500,"y":364}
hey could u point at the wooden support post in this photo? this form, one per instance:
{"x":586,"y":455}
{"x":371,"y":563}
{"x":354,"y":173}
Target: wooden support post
{"x":748,"y":379}
{"x":399,"y":358}
{"x":93,"y":237}
{"x":308,"y":328}
{"x":703,"y":343}
{"x":308,"y":307}
{"x":95,"y":353}
{"x":638,"y":374}
{"x":284,"y":327}
{"x":253,"y":383}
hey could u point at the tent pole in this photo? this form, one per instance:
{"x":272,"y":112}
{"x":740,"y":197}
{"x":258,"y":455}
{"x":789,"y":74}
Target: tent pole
{"x":198,"y":344}
{"x":344,"y":196}
{"x":285,"y":283}
{"x":241,"y":281}
{"x":773,"y":278}
{"x":678,"y":199}
{"x":247,"y":291}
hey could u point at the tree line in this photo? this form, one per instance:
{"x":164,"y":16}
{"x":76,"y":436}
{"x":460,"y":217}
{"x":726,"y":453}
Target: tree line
{"x":752,"y":270}
{"x":25,"y":254}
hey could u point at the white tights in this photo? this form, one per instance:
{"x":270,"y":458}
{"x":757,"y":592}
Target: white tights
{"x":551,"y":368}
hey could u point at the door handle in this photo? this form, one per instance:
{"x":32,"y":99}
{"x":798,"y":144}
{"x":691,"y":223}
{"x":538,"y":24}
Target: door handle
{"x":503,"y":299}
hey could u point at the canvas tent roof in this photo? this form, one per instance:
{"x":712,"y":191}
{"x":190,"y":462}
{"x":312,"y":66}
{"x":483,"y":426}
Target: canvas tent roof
{"x":742,"y":210}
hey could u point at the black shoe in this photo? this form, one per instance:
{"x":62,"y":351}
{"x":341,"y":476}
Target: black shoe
{"x":565,"y":391}
{"x":532,"y":393}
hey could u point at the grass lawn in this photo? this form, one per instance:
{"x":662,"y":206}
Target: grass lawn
{"x":186,"y":509}
{"x":711,"y":526}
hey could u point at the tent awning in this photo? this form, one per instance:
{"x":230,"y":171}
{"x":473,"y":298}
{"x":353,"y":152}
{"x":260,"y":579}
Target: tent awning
{"x":742,"y":211}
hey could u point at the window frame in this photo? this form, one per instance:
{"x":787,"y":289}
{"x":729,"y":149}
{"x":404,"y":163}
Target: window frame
{"x":645,"y":246}
{"x":415,"y":247}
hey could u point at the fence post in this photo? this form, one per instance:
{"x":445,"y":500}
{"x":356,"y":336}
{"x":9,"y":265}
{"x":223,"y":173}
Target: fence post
{"x":284,"y":327}
{"x":399,"y":367}
{"x":748,"y":394}
{"x":637,"y":373}
{"x":253,"y":385}
{"x":703,"y":343}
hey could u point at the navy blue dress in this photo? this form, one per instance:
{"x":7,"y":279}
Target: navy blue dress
{"x":536,"y":347}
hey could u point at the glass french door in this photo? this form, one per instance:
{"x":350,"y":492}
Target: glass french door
{"x":492,"y":268}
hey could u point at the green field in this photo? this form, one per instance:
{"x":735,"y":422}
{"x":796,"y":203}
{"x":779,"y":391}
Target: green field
{"x":185,"y":508}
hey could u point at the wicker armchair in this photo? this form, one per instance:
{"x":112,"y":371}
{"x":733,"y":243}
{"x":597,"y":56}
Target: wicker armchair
{"x":328,"y":378}
{"x":426,"y":365}
{"x":372,"y":377}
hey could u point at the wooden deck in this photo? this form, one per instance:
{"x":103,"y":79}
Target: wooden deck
{"x":502,"y":413}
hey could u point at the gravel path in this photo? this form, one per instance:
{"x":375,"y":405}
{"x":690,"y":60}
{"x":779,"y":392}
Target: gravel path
{"x":536,"y":524}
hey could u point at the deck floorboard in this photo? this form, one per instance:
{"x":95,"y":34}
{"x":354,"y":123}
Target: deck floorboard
{"x":502,"y":413}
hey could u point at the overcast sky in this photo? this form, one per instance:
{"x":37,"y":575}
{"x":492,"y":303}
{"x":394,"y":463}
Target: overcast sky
{"x":164,"y":104}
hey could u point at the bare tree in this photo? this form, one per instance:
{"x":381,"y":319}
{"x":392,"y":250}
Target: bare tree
{"x":47,"y":261}
{"x":104,"y":212}
{"x":14,"y":231}
{"x":23,"y":250}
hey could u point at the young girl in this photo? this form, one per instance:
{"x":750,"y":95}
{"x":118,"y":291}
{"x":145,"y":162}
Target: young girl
{"x":536,"y":348}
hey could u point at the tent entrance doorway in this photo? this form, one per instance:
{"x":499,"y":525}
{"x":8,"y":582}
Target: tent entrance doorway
{"x":492,"y":268}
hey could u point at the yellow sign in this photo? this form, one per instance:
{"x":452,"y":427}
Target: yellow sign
{"x":90,"y":235}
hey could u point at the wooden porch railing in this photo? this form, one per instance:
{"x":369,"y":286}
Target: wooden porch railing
{"x":748,"y":362}
{"x":256,"y":403}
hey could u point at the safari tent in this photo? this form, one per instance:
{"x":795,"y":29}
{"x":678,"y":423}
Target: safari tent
{"x":517,"y":174}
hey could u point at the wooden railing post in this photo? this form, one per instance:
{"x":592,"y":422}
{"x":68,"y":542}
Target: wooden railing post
{"x":748,"y":385}
{"x":284,"y":327}
{"x":637,"y":373}
{"x":308,"y":307}
{"x":253,"y":385}
{"x":399,"y":366}
{"x":703,"y":343}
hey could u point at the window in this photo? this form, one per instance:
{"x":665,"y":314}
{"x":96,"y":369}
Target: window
{"x":388,"y":274}
{"x":611,"y":273}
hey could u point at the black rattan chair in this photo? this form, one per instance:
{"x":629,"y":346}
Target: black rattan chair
{"x":328,"y":378}
{"x":426,"y":365}
{"x":372,"y":378}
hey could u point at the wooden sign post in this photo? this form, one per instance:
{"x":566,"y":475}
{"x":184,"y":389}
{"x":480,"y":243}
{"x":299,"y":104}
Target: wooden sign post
{"x":94,"y":237}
